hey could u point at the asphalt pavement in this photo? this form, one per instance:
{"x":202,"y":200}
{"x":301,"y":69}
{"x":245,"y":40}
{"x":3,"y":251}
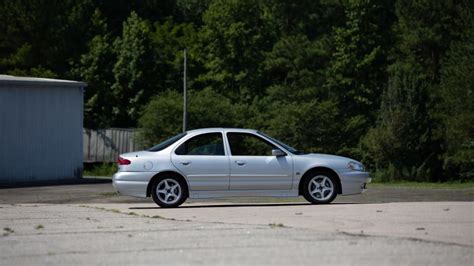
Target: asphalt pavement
{"x":89,"y":224}
{"x":103,"y":192}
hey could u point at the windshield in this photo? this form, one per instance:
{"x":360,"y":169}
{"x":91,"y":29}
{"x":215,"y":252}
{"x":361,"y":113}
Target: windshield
{"x":288,"y":148}
{"x":167,"y":142}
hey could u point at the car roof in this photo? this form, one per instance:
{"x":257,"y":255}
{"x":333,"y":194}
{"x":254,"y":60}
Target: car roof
{"x":214,"y":129}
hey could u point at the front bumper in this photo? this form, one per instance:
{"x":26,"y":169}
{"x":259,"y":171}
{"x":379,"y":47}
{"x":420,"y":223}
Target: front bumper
{"x":354,"y":182}
{"x":131,"y":183}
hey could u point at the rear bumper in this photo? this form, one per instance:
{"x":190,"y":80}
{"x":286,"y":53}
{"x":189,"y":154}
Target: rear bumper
{"x":354,"y":182}
{"x":131,"y":183}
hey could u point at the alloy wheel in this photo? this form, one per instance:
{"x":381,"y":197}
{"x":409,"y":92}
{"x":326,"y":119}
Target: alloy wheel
{"x":321,"y":187}
{"x":168,"y":191}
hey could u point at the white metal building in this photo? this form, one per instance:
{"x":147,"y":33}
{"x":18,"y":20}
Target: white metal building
{"x":40,"y":129}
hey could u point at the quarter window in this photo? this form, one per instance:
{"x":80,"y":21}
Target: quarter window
{"x":204,"y":144}
{"x":244,"y":144}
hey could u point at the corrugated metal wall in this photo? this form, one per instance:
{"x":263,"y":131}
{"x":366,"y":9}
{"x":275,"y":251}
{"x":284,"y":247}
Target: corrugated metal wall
{"x":40,"y":132}
{"x":105,"y":145}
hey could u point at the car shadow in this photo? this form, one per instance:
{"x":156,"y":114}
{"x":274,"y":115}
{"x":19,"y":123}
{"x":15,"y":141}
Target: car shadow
{"x":238,"y":205}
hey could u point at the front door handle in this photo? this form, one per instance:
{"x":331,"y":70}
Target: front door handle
{"x":240,"y":163}
{"x":185,"y":162}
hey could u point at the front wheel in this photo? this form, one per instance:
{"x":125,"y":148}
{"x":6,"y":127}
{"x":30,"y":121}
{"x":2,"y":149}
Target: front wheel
{"x":320,"y":188}
{"x":168,"y":192}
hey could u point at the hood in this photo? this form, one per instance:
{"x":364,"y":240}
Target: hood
{"x":327,"y":159}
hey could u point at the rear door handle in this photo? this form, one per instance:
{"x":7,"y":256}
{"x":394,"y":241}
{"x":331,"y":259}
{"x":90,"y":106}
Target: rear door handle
{"x":185,"y":162}
{"x":240,"y":163}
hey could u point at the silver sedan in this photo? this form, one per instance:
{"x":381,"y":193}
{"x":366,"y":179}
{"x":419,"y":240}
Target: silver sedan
{"x":229,"y":162}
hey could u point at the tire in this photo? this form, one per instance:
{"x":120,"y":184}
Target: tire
{"x":320,"y":187}
{"x":169,"y":191}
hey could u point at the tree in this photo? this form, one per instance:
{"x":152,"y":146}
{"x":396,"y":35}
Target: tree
{"x":306,"y":125}
{"x":424,"y":32}
{"x":134,"y":71}
{"x":296,"y":109}
{"x":299,"y":64}
{"x":191,"y":11}
{"x":41,"y":38}
{"x":311,"y":18}
{"x":162,"y":117}
{"x":401,"y":146}
{"x":234,"y":39}
{"x":425,"y":29}
{"x":357,"y":72}
{"x":95,"y":67}
{"x":457,"y":110}
{"x":168,"y":41}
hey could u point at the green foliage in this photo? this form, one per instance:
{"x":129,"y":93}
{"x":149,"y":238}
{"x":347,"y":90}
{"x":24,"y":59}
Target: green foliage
{"x":359,"y":61}
{"x":162,"y":117}
{"x":234,"y":38}
{"x":298,"y":64}
{"x":357,"y":72}
{"x":401,"y":144}
{"x":40,"y":37}
{"x":288,"y":123}
{"x":104,"y":169}
{"x":95,"y":67}
{"x":295,"y":99}
{"x":191,"y":11}
{"x":134,"y":70}
{"x":311,"y":18}
{"x":425,"y":28}
{"x":457,"y":92}
{"x":169,"y":40}
{"x":386,"y":81}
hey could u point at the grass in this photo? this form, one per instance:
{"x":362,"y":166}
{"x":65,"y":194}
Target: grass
{"x":435,"y":185}
{"x":104,"y":169}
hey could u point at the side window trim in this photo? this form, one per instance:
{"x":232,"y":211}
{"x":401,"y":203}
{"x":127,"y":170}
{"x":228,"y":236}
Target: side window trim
{"x":184,"y":140}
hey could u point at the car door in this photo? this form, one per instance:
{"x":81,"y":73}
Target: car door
{"x":203,"y":161}
{"x":253,"y":167}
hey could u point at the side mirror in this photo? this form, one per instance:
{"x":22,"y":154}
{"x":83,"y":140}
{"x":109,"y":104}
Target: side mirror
{"x":278,"y":152}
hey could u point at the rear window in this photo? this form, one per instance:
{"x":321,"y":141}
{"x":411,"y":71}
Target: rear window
{"x":165,"y":144}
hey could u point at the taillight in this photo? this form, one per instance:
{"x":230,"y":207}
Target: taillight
{"x":123,"y":161}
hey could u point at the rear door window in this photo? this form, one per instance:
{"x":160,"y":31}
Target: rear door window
{"x":204,"y":144}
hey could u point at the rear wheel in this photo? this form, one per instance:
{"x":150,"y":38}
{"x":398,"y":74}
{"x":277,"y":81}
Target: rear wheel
{"x":168,"y":192}
{"x":320,"y":188}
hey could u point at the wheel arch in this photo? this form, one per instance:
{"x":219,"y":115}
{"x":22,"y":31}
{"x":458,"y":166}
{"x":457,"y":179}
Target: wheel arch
{"x":167,"y":173}
{"x":319,"y":169}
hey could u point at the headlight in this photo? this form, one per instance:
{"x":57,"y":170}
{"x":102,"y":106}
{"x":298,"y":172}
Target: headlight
{"x":356,"y":166}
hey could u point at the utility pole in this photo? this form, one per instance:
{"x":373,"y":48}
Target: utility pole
{"x":185,"y":96}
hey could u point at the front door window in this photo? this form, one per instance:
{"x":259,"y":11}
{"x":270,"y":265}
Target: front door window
{"x":243,"y":144}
